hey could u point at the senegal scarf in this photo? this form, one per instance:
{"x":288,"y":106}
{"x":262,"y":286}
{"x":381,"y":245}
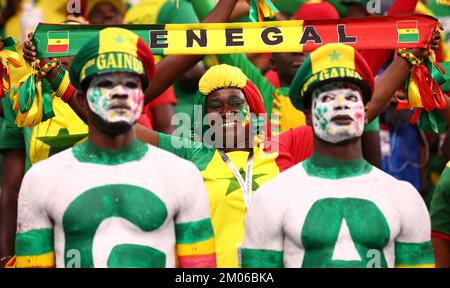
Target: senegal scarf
{"x":414,"y":31}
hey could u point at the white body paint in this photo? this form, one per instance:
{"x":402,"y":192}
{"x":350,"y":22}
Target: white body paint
{"x":50,"y":186}
{"x":276,"y":218}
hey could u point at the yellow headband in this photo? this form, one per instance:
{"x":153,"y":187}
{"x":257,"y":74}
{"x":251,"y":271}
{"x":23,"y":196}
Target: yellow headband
{"x":221,"y":76}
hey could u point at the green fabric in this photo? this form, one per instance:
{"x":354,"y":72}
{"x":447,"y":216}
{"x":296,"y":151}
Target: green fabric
{"x":436,"y":166}
{"x":446,"y":67}
{"x":432,"y":121}
{"x":88,"y":152}
{"x":203,"y":7}
{"x":414,"y":253}
{"x":170,"y":13}
{"x":288,"y":6}
{"x":11,"y":136}
{"x":34,"y":242}
{"x":196,"y":152}
{"x":438,"y":10}
{"x":440,"y":204}
{"x":305,"y":82}
{"x":254,"y":258}
{"x":332,"y":168}
{"x":194,"y":232}
{"x":373,"y":126}
{"x":185,"y":97}
{"x":99,"y":65}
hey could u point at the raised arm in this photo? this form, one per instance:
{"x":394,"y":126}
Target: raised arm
{"x":173,"y":66}
{"x":392,"y":79}
{"x":377,"y":58}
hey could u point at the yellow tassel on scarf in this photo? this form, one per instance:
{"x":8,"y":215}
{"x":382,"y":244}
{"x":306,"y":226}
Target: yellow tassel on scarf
{"x":443,"y":2}
{"x":28,"y":101}
{"x":8,"y":56}
{"x":261,"y":10}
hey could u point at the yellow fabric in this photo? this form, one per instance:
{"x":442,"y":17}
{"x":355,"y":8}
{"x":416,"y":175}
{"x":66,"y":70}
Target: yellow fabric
{"x":58,"y":41}
{"x":141,"y":14}
{"x":16,"y":73}
{"x":11,"y":57}
{"x":33,"y":116}
{"x":44,"y":261}
{"x":414,"y":92}
{"x":228,"y":211}
{"x":53,"y":12}
{"x":416,"y":266}
{"x":290,"y":30}
{"x":290,"y":117}
{"x":201,"y":248}
{"x":408,"y":31}
{"x":66,"y":118}
{"x":422,"y":8}
{"x":443,"y":2}
{"x":220,"y":76}
{"x":118,"y":40}
{"x":333,"y":56}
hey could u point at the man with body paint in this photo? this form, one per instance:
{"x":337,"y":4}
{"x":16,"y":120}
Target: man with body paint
{"x":282,"y":114}
{"x":114,"y":201}
{"x":335,"y":209}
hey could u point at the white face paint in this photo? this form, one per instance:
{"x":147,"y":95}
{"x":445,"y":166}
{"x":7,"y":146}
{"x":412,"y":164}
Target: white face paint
{"x":338,"y":112}
{"x":116,"y":97}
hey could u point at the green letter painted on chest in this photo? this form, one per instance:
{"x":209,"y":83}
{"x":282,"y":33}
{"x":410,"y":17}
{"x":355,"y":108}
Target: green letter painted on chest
{"x":135,"y":204}
{"x":367,"y":225}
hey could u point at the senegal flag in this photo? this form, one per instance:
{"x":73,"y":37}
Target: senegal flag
{"x":58,"y":42}
{"x":408,"y":31}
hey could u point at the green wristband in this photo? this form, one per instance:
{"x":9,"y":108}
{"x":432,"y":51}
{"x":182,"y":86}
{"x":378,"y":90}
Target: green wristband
{"x":58,"y":80}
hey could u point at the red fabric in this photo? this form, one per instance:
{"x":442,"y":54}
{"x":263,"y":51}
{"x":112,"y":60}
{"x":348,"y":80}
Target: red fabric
{"x":167,"y":97}
{"x":293,"y":146}
{"x":440,"y":235}
{"x":322,"y":10}
{"x":365,"y":71}
{"x":256,"y":104}
{"x":146,"y":56}
{"x":144,"y":119}
{"x":272,"y":77}
{"x":377,"y":58}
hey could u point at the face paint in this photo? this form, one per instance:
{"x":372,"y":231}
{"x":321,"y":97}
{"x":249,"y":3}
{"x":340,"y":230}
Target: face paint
{"x":338,"y":112}
{"x":116,"y":97}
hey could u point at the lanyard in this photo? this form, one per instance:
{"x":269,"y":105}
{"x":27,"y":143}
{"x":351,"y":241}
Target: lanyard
{"x":246,"y":185}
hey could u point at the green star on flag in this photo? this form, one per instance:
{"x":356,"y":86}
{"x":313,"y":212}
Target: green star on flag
{"x":234,"y":183}
{"x":335,"y":56}
{"x":119,"y":39}
{"x":61,"y":141}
